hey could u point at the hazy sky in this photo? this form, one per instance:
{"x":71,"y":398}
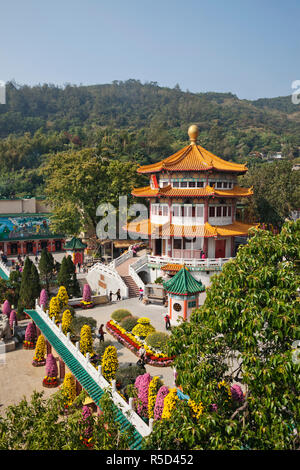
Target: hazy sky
{"x":248,"y":47}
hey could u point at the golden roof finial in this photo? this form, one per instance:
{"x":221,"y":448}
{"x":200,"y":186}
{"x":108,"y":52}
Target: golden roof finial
{"x":193,"y":134}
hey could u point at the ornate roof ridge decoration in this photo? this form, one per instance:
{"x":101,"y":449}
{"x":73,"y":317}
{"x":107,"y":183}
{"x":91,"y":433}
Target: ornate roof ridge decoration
{"x":183,"y":283}
{"x":193,"y":157}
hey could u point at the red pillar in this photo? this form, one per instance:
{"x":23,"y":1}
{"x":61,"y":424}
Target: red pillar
{"x":205,"y":247}
{"x":185,"y":309}
{"x":78,"y":387}
{"x":62,"y":368}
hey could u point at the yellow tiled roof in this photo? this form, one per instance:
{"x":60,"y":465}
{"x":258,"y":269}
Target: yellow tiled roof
{"x":169,"y":191}
{"x":193,"y":158}
{"x":145,"y":227}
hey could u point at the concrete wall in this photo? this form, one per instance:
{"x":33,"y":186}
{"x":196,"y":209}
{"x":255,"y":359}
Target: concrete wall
{"x":21,"y":206}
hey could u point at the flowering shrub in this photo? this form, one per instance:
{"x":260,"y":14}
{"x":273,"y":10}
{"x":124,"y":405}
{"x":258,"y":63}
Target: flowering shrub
{"x":197,"y":409}
{"x":86,"y":341}
{"x":142,"y":385}
{"x":120,"y":314}
{"x":62,"y":297}
{"x":225,"y":388}
{"x":154,"y":387}
{"x":134,"y":344}
{"x":86,"y":294}
{"x":30,"y":336}
{"x":44,"y":298}
{"x":6,"y":309}
{"x":66,"y":321}
{"x":170,"y":403}
{"x":143,"y":328}
{"x":54,"y":309}
{"x":128,"y":323}
{"x":69,"y":389}
{"x":157,"y":340}
{"x":13,"y":318}
{"x":86,"y":423}
{"x":50,"y":380}
{"x":237,"y":393}
{"x":109,"y":363}
{"x":40,"y":351}
{"x":159,"y":402}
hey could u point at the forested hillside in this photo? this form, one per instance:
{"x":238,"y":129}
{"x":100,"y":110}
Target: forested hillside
{"x":131,"y":121}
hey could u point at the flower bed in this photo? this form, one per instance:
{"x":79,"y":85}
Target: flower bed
{"x":84,"y":305}
{"x":28,"y":344}
{"x":134,"y":344}
{"x":36,"y":363}
{"x":50,"y":382}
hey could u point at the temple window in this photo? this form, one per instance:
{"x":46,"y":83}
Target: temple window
{"x":192,"y":184}
{"x":200,"y":184}
{"x":219,"y":214}
{"x":183,"y":184}
{"x":224,"y":211}
{"x":219,"y":184}
{"x":177,"y":244}
{"x":175,"y":184}
{"x":211,"y":211}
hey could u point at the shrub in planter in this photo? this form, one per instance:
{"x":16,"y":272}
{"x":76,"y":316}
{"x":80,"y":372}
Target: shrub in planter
{"x":69,"y":389}
{"x":54,"y":309}
{"x":170,"y":403}
{"x":154,"y":387}
{"x":143,"y":328}
{"x":66,"y":321}
{"x":128,"y":323}
{"x":44,"y":298}
{"x":142,"y":385}
{"x":158,"y":340}
{"x":6,"y":309}
{"x":40,"y":351}
{"x":86,"y":294}
{"x":86,"y":341}
{"x":62,"y":297}
{"x":30,"y":336}
{"x":109,"y":363}
{"x":50,"y":380}
{"x":120,"y":314}
{"x":159,"y":402}
{"x":13,"y":318}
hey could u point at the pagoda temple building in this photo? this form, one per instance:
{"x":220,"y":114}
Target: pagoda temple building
{"x":192,"y":199}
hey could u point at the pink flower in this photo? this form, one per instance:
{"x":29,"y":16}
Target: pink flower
{"x":6,"y":309}
{"x":237,"y":393}
{"x":159,"y":403}
{"x":142,"y":384}
{"x":51,"y":366}
{"x":13,"y":318}
{"x":30,"y":333}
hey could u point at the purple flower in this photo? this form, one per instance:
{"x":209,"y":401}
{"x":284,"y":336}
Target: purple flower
{"x":214,"y":407}
{"x":13,"y":318}
{"x":44,"y":298}
{"x":159,"y":402}
{"x":30,"y":333}
{"x":86,"y":295}
{"x":142,"y":384}
{"x":6,"y":309}
{"x":51,"y":366}
{"x":237,"y":393}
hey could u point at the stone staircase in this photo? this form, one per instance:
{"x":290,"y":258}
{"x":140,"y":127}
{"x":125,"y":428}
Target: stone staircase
{"x":133,"y":289}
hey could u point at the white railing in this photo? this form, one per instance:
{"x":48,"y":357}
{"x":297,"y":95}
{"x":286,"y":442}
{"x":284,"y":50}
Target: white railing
{"x":111,"y":272}
{"x":135,"y":267}
{"x":208,"y":263}
{"x":127,"y":409}
{"x":4,"y":268}
{"x":117,"y":261}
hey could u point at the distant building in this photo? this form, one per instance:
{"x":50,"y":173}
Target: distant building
{"x":276,"y":156}
{"x":25,"y":227}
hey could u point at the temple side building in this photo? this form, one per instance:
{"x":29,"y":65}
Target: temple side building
{"x":192,"y":199}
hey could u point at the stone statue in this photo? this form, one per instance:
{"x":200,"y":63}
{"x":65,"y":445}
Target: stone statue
{"x":5,"y":331}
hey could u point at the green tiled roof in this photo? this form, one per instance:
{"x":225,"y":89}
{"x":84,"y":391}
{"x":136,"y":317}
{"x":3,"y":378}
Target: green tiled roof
{"x":183,"y":283}
{"x":74,"y":244}
{"x":83,"y":377}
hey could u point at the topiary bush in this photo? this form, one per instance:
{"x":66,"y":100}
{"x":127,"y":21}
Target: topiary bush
{"x":158,"y":340}
{"x":128,"y":323}
{"x":100,"y":348}
{"x":143,"y":328}
{"x":120,"y":314}
{"x":126,"y":375}
{"x":78,"y":322}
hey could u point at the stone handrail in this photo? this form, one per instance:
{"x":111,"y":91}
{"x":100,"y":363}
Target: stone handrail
{"x":4,"y":268}
{"x":117,"y":261}
{"x":139,"y":263}
{"x":193,"y":262}
{"x":126,"y":408}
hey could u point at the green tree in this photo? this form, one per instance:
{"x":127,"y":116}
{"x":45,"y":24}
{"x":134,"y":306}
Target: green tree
{"x":46,"y":267}
{"x":30,"y":286}
{"x":244,"y":333}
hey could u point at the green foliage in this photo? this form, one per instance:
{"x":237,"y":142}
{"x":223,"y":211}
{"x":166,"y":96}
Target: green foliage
{"x":46,"y":267}
{"x":120,"y":314}
{"x":41,"y":425}
{"x":30,"y":286}
{"x":100,"y":348}
{"x":158,"y":340}
{"x":78,"y":322}
{"x":129,"y":323}
{"x":251,"y":317}
{"x":276,"y":191}
{"x":126,"y":375}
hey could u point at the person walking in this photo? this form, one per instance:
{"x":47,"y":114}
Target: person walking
{"x":101,"y":333}
{"x":141,"y":293}
{"x":167,"y":321}
{"x":78,"y":265}
{"x":110,"y":296}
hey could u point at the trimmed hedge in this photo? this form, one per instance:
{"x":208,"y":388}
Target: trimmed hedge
{"x":128,"y":323}
{"x":120,"y":314}
{"x":158,"y":340}
{"x":78,"y":322}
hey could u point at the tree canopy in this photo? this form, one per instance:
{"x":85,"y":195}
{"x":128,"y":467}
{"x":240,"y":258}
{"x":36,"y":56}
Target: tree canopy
{"x":243,"y":334}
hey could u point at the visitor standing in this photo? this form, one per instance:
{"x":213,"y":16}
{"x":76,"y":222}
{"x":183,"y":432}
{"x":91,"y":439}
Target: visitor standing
{"x":78,"y":265}
{"x":118,"y":294}
{"x":110,"y":296}
{"x":167,"y":321}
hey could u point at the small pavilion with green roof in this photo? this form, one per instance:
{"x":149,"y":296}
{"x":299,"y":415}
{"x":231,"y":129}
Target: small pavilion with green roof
{"x":75,"y":248}
{"x":183,"y":295}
